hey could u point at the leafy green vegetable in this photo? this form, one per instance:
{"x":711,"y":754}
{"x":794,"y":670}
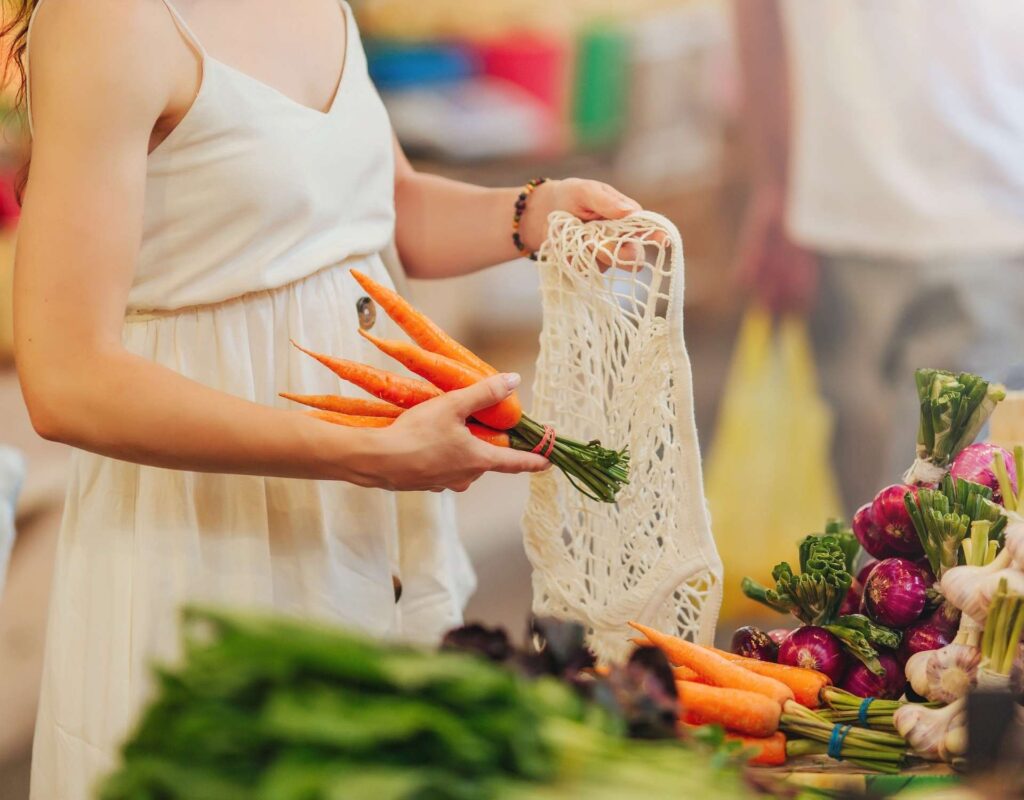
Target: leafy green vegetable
{"x":954,"y":408}
{"x":860,"y":635}
{"x":942,"y":518}
{"x":815,"y":595}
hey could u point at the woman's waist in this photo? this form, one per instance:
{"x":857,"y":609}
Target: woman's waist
{"x":165,"y":297}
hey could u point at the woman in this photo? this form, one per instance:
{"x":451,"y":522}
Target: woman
{"x":204,"y":175}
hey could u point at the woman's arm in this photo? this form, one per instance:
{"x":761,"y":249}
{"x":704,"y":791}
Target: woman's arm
{"x":103,"y":73}
{"x":446,"y":228}
{"x":781,"y":272}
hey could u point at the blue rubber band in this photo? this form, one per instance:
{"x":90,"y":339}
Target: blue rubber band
{"x":835,"y":742}
{"x":862,"y":712}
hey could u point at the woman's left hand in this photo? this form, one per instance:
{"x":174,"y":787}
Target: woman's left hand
{"x":587,"y":200}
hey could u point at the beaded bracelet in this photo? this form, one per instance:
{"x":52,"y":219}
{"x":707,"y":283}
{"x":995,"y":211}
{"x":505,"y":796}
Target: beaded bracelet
{"x":517,"y":240}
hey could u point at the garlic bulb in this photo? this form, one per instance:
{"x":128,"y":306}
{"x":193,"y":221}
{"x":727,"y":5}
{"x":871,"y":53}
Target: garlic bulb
{"x":971,"y":589}
{"x":937,"y":734}
{"x":946,"y":674}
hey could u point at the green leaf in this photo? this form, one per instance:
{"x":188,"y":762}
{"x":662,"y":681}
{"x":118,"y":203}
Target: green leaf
{"x":857,"y":645}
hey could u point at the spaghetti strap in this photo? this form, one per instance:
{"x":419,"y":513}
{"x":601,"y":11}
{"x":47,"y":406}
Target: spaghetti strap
{"x":183,"y":26}
{"x":28,"y":67}
{"x":179,"y":21}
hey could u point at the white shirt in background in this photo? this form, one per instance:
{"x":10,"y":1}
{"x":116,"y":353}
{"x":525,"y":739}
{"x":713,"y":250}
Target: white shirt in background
{"x":908,"y":137}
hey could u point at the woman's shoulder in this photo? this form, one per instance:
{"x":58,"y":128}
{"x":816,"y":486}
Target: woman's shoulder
{"x":110,"y":50}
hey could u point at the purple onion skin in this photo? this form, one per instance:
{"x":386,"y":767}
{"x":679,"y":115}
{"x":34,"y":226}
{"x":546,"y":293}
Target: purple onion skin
{"x":868,"y":534}
{"x":925,"y":566}
{"x":861,"y":681}
{"x":890,"y":516}
{"x":974,"y":463}
{"x":851,"y":603}
{"x":812,"y":647}
{"x":752,"y":642}
{"x":862,"y":576}
{"x":779,"y":635}
{"x":896,"y":593}
{"x":946,"y":618}
{"x":921,"y":637}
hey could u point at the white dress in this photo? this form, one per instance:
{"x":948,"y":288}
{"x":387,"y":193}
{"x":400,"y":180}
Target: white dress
{"x":256,"y":207}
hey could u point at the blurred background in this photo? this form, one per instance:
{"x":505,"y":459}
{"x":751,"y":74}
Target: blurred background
{"x":848,"y":179}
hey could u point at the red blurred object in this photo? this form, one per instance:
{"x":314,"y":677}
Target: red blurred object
{"x":10,"y":210}
{"x":541,"y":65}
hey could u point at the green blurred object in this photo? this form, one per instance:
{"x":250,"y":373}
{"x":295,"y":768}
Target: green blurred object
{"x":599,"y":107}
{"x":267,"y":708}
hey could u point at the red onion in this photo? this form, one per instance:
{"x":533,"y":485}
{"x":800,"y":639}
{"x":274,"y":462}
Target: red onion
{"x":779,"y":635}
{"x":975,"y":464}
{"x":896,"y":593}
{"x":889,"y":514}
{"x":863,"y":682}
{"x":868,"y":534}
{"x":812,"y":647}
{"x":862,"y":576}
{"x":851,"y":603}
{"x":754,"y":643}
{"x":923,"y":636}
{"x":932,"y":633}
{"x":926,"y":567}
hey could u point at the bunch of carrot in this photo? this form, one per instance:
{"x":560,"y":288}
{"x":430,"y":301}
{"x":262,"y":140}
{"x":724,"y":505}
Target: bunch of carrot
{"x":447,"y":366}
{"x":755,"y":701}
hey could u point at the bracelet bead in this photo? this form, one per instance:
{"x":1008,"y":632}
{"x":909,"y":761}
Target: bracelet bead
{"x":520,"y":209}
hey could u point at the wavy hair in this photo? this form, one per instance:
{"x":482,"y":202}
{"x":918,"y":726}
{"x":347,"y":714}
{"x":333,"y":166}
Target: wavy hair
{"x":14,"y":34}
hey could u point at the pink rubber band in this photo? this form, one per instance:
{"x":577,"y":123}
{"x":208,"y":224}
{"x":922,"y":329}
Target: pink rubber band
{"x":546,"y":446}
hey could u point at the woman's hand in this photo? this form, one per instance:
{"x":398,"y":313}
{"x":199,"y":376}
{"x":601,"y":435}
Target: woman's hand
{"x":781,"y":274}
{"x":587,"y":200}
{"x":429,"y":448}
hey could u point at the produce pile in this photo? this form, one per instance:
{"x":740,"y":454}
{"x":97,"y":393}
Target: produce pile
{"x":936,"y":607}
{"x":274,"y":709}
{"x":596,"y":471}
{"x":770,"y":708}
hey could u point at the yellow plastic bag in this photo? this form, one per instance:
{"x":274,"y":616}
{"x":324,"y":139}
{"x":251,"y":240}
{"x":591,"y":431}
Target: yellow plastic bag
{"x":769,"y":476}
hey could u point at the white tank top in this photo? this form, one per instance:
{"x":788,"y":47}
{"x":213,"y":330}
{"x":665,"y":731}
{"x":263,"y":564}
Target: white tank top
{"x":254,"y":190}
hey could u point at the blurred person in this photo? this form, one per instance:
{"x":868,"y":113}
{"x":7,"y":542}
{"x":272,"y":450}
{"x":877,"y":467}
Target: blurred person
{"x":204,"y":174}
{"x":887,"y":145}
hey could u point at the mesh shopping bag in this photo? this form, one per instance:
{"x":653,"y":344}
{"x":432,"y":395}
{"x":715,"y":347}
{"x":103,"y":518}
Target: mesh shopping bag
{"x":613,"y":366}
{"x":770,"y":479}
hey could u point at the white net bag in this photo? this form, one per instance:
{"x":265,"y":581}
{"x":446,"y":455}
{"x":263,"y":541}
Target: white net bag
{"x":613,"y":366}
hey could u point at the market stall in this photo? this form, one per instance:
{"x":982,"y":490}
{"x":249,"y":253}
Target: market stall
{"x":902,"y":614}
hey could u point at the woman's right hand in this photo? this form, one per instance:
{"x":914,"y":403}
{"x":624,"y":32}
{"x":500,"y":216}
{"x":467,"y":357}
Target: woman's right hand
{"x":429,"y":448}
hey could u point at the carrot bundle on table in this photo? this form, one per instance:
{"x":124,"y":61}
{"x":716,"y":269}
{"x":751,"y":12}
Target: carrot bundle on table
{"x":596,"y":471}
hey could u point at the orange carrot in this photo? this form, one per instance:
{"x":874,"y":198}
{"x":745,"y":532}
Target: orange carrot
{"x":767,"y":751}
{"x":748,"y":713}
{"x":713,"y":668}
{"x":350,"y":420}
{"x":481,"y":432}
{"x":687,"y":674}
{"x":805,"y":683}
{"x":397,"y":389}
{"x":345,"y":405}
{"x":448,"y":375}
{"x":421,"y":329}
{"x":489,"y":435}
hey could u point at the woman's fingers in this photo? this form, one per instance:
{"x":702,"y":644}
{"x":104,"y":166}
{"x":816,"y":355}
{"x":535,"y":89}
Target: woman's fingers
{"x":603,"y":202}
{"x":512,"y":462}
{"x":483,"y":394}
